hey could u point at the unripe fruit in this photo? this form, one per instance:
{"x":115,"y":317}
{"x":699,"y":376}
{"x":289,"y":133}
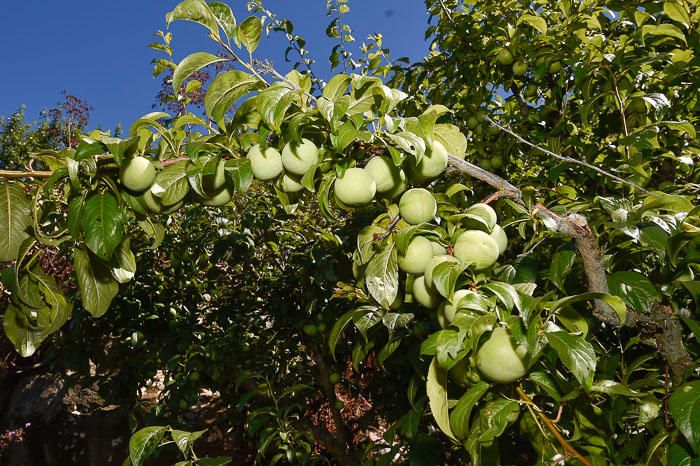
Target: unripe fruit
{"x":430,"y":267}
{"x":492,"y":130}
{"x":519,"y":68}
{"x":220,"y":198}
{"x":322,"y":327}
{"x":137,"y":174}
{"x":339,"y":405}
{"x":155,"y":205}
{"x":531,"y":90}
{"x":387,"y":175}
{"x":356,"y":187}
{"x":216,"y":180}
{"x":417,"y":205}
{"x":450,"y":310}
{"x":194,"y":376}
{"x":288,"y":184}
{"x":505,"y":57}
{"x":299,"y":158}
{"x":425,"y":296}
{"x":334,"y":378}
{"x":458,"y":372}
{"x":400,"y":188}
{"x":182,"y":404}
{"x":554,"y":67}
{"x":498,"y":360}
{"x":310,"y":329}
{"x":485,"y":164}
{"x":267,"y":164}
{"x":499,"y":236}
{"x":433,"y":163}
{"x":485,"y":212}
{"x":417,"y":255}
{"x":478,"y":248}
{"x":497,"y":161}
{"x":472,"y":122}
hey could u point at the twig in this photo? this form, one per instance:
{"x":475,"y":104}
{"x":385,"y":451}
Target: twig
{"x":14,"y":174}
{"x":553,"y":428}
{"x":568,"y":159}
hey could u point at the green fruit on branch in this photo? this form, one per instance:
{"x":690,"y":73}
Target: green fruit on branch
{"x":485,"y":164}
{"x":216,"y":180}
{"x":338,"y":404}
{"x":450,"y":308}
{"x":417,"y":205}
{"x":297,"y":158}
{"x":137,"y":174}
{"x":311,"y":330}
{"x":485,"y":212}
{"x":266,"y":164}
{"x":288,"y":184}
{"x":519,"y":68}
{"x":194,"y":376}
{"x":219,"y":198}
{"x":498,"y":360}
{"x":505,"y":57}
{"x":433,"y":163}
{"x":322,"y":327}
{"x":531,"y":90}
{"x":154,"y":204}
{"x":356,"y":188}
{"x":387,"y":175}
{"x":430,"y":267}
{"x":499,"y":236}
{"x":334,"y":378}
{"x":497,"y":161}
{"x":424,"y":295}
{"x":477,"y":248}
{"x":417,"y":255}
{"x":472,"y":122}
{"x":554,"y":67}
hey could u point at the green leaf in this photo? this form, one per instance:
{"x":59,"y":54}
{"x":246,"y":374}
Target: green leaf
{"x":225,"y":18}
{"x":562,"y":261}
{"x":225,"y":91}
{"x":576,"y":354}
{"x":495,"y":417}
{"x":97,"y":287}
{"x":184,"y":440}
{"x":249,"y":33}
{"x":196,"y":11}
{"x":144,"y":442}
{"x":171,"y":183}
{"x":382,"y":276}
{"x":242,"y":172}
{"x":273,"y":104}
{"x":677,"y":12}
{"x":339,"y":326}
{"x":153,"y":230}
{"x":536,"y":22}
{"x":336,"y":87}
{"x":506,"y":294}
{"x":684,"y":405}
{"x":102,"y":223}
{"x":459,"y":417}
{"x":190,"y":64}
{"x":124,"y":263}
{"x":436,"y":388}
{"x":214,"y":461}
{"x":59,"y":309}
{"x":452,"y":138}
{"x":635,"y":289}
{"x":615,"y":302}
{"x":15,"y":219}
{"x":23,"y":335}
{"x":667,"y":30}
{"x":445,"y":277}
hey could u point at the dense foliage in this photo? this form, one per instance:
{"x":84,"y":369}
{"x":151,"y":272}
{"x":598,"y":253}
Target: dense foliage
{"x":505,"y":232}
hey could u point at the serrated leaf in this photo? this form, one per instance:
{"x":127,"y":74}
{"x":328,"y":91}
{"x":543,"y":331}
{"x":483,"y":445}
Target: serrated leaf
{"x":171,"y":184}
{"x":536,"y":22}
{"x":184,"y":440}
{"x":635,"y":289}
{"x":677,"y":12}
{"x":664,"y":30}
{"x":102,"y":224}
{"x":506,"y":294}
{"x":338,"y":327}
{"x":224,"y":16}
{"x":190,"y":64}
{"x":576,"y":354}
{"x":436,"y":388}
{"x":273,"y":104}
{"x":15,"y":219}
{"x":196,"y":11}
{"x":459,"y":417}
{"x":124,"y":262}
{"x":97,"y":287}
{"x":336,"y":87}
{"x":615,"y":302}
{"x":452,"y":138}
{"x":495,"y":417}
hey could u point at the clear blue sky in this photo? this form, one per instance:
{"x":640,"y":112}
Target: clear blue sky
{"x":98,"y":50}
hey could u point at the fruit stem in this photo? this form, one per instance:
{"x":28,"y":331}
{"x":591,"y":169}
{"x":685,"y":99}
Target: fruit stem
{"x":552,"y":428}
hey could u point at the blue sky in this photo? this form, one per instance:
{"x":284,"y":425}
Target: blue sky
{"x":100,"y":54}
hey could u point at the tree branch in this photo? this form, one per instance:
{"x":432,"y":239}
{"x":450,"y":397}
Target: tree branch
{"x":14,"y":174}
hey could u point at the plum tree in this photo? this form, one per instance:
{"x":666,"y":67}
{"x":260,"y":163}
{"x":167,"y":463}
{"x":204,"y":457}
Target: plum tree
{"x":498,"y":360}
{"x":355,"y":188}
{"x":519,"y":68}
{"x":288,"y":184}
{"x":155,"y":205}
{"x":505,"y":57}
{"x":137,"y":174}
{"x":417,"y":205}
{"x":431,"y":165}
{"x":499,"y":236}
{"x":219,"y":198}
{"x":215,"y":181}
{"x":484,"y":212}
{"x":478,"y":248}
{"x":266,"y":164}
{"x":297,"y":158}
{"x":426,"y":296}
{"x":417,"y":255}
